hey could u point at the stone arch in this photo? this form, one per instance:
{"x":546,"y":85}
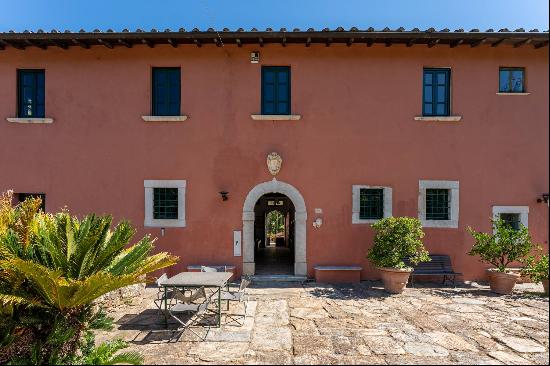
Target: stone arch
{"x":275,"y":186}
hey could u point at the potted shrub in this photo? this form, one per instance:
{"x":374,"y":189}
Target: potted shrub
{"x":537,"y":270}
{"x":395,"y":239}
{"x":500,"y":248}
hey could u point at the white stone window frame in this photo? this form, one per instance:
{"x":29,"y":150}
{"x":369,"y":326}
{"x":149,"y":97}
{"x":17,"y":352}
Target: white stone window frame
{"x":523,"y":212}
{"x":356,"y":204}
{"x":454,"y":197}
{"x":149,"y":186}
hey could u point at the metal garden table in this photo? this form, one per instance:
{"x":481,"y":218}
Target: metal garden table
{"x":185,"y":280}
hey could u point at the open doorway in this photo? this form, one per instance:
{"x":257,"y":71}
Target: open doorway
{"x":274,"y":234}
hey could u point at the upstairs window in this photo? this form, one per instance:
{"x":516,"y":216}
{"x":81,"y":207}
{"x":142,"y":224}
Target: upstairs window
{"x":276,"y":90}
{"x":511,"y":80}
{"x":31,"y":96}
{"x":371,"y":205}
{"x":166,"y":91}
{"x":437,"y":92}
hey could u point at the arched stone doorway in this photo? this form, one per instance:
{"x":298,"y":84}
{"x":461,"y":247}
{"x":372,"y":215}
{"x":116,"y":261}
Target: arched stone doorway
{"x":275,"y":186}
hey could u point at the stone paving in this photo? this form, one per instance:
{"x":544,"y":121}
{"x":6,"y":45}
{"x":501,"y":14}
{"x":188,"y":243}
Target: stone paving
{"x":360,"y":324}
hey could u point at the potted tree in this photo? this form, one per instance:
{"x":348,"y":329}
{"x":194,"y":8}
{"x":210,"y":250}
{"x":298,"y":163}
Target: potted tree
{"x":537,"y":270}
{"x":500,"y":248}
{"x":395,"y":239}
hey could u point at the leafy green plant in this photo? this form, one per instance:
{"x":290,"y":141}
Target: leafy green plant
{"x":536,"y":269}
{"x":52,"y":268}
{"x":504,"y":246}
{"x":395,"y":239}
{"x":105,"y":355}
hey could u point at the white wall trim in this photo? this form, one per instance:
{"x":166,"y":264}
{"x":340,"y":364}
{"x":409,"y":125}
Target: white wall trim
{"x":454,"y":196}
{"x":276,"y":117}
{"x":275,"y":186}
{"x":439,"y":118}
{"x":355,"y":206}
{"x":164,"y":118}
{"x":149,"y":185}
{"x":523,"y":212}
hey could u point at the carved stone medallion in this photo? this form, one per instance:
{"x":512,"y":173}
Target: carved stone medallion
{"x":274,"y":162}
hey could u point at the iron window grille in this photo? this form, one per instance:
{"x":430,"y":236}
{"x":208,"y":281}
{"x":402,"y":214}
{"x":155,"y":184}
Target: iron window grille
{"x":511,"y":219}
{"x":511,"y":80}
{"x":166,"y":91}
{"x":31,"y":93}
{"x":436,"y":92}
{"x":371,"y":204}
{"x":276,"y":90}
{"x":437,"y":204}
{"x":165,"y":203}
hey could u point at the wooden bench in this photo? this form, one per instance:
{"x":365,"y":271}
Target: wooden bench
{"x":439,"y":266}
{"x":337,"y":274}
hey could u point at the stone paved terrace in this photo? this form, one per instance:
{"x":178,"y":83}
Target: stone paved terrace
{"x":361,"y":324}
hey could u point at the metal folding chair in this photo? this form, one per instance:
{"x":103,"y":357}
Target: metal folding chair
{"x":162,"y":292}
{"x":237,"y":296}
{"x":188,"y":310}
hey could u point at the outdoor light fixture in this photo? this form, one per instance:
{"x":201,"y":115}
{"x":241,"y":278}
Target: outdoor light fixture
{"x":161,"y":231}
{"x":224,"y":195}
{"x":545,"y":197}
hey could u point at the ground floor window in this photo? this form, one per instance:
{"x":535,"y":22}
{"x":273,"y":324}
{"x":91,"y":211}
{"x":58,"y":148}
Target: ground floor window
{"x":370,"y":203}
{"x":23,"y":196}
{"x":515,"y":216}
{"x":164,"y":203}
{"x":438,"y":203}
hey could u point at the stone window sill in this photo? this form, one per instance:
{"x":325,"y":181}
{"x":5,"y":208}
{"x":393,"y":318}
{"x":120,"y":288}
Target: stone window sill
{"x":439,"y":118}
{"x":276,"y":117}
{"x":30,"y":120}
{"x":441,"y":224}
{"x":164,"y":118}
{"x":512,"y":93}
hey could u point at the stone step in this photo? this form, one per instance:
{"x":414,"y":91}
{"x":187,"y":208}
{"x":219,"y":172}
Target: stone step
{"x":278,"y":278}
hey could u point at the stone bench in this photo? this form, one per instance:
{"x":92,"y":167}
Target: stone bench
{"x":337,"y":274}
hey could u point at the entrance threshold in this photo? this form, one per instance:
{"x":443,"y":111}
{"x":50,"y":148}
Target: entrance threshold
{"x":278,"y":278}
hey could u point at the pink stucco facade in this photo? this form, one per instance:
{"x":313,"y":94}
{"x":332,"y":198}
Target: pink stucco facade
{"x":357,"y":107}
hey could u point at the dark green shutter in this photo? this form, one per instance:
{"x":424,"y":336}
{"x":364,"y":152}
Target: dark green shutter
{"x":436,"y":93}
{"x":166,"y":91}
{"x":276,"y":90}
{"x":31,"y":94}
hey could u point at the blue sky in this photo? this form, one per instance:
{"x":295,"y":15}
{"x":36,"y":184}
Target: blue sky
{"x":160,"y":14}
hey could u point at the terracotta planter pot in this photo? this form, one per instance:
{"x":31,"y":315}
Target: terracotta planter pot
{"x":395,"y":279}
{"x":545,"y":285}
{"x":502,"y":282}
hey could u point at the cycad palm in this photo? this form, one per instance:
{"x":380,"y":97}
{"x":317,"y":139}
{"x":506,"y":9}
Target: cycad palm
{"x":61,"y":264}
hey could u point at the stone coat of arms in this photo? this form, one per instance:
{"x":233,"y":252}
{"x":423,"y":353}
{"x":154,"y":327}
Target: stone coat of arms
{"x":274,"y":162}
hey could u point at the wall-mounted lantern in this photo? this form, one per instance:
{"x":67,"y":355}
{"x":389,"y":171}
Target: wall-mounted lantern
{"x":545,"y":198}
{"x":224,"y":195}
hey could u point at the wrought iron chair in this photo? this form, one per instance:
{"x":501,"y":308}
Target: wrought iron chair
{"x":189,"y":310}
{"x":237,"y":296}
